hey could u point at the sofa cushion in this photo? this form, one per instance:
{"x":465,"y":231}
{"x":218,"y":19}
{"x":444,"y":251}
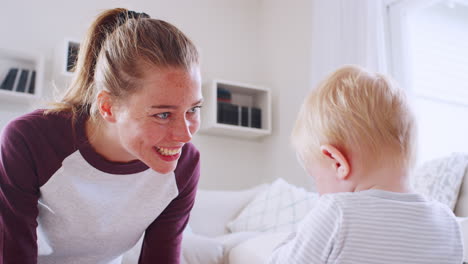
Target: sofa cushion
{"x":229,"y":241}
{"x":279,"y":207}
{"x":195,"y":250}
{"x":257,"y":249}
{"x":214,"y":209}
{"x":198,"y":249}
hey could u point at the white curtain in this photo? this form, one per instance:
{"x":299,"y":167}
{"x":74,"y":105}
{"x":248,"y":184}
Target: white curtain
{"x":347,"y":32}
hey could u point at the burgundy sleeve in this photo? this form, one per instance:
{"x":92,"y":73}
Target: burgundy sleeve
{"x":19,"y":193}
{"x":162,"y":242}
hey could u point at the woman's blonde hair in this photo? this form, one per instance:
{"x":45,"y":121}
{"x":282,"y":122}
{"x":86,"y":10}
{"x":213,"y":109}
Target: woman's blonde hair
{"x":354,"y":109}
{"x":118,"y":47}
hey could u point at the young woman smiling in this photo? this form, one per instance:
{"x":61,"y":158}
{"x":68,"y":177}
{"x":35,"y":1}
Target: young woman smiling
{"x":81,"y":182}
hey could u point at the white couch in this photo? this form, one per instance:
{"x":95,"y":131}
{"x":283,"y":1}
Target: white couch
{"x":215,"y":209}
{"x":207,"y":239}
{"x":209,"y":218}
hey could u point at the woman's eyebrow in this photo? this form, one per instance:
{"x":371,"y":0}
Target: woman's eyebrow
{"x":198,"y":102}
{"x":164,"y":106}
{"x":174,"y":106}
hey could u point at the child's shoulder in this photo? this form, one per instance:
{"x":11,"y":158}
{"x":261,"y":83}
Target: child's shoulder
{"x":375,"y":197}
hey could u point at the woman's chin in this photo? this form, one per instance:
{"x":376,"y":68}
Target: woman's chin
{"x":164,"y":169}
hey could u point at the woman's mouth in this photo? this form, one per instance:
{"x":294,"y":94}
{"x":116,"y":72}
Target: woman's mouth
{"x":168,"y":154}
{"x":168,"y":151}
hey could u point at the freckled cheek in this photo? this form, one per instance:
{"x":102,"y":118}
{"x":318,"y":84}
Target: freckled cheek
{"x":194,"y":126}
{"x":153,"y":134}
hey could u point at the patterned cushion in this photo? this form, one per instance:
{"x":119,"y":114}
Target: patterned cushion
{"x":278,"y":208}
{"x":440,"y":179}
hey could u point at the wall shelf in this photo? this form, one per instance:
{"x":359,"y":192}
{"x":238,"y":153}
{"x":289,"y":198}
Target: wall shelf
{"x":251,"y":97}
{"x":21,"y":76}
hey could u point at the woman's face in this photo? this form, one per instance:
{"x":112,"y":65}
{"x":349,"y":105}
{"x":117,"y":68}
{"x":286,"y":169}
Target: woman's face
{"x":154,"y":123}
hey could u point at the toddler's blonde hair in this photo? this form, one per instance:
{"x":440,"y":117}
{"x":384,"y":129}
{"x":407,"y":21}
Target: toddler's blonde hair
{"x":357,"y":110}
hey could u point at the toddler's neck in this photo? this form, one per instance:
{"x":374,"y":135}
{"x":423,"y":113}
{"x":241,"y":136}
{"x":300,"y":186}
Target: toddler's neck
{"x":387,"y":179}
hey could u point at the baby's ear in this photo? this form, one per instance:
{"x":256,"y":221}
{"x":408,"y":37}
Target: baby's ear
{"x":337,"y":160}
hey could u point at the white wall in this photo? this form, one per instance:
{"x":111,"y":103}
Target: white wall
{"x":226,"y":31}
{"x":263,"y":42}
{"x":286,"y":30}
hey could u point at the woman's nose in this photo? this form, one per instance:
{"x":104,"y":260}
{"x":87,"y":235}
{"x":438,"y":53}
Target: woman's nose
{"x":181,"y":131}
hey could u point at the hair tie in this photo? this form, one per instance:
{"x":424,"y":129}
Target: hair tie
{"x":126,"y":15}
{"x":136,"y":15}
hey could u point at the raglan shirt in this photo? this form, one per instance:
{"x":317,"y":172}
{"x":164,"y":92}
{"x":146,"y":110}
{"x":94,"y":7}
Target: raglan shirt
{"x":61,"y":202}
{"x":374,"y":227}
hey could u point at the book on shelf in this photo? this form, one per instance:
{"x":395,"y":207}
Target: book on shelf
{"x":255,"y":117}
{"x":32,"y":82}
{"x":23,"y":79}
{"x":8,"y":83}
{"x":19,"y":80}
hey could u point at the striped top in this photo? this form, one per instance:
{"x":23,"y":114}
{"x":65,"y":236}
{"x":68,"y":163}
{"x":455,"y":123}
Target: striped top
{"x":374,"y":226}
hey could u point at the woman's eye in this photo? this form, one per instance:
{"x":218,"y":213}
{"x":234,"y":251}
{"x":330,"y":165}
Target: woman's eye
{"x":164,"y":115}
{"x":195,"y":109}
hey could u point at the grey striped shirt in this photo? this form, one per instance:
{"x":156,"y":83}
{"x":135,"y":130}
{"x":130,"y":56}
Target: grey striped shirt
{"x":374,"y":226}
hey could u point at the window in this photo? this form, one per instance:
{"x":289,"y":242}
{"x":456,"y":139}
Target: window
{"x":429,"y":57}
{"x":438,"y":51}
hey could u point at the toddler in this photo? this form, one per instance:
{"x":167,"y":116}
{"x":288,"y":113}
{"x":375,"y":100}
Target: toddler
{"x":355,"y":136}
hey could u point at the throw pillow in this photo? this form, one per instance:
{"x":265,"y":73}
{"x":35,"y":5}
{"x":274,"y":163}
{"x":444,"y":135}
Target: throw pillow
{"x":278,"y":208}
{"x":440,"y":179}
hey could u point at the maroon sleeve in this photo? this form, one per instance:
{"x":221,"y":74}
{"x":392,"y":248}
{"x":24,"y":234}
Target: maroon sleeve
{"x":163,"y":237}
{"x":32,"y":148}
{"x":19,"y":193}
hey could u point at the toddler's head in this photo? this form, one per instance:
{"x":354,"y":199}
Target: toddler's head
{"x":355,"y":131}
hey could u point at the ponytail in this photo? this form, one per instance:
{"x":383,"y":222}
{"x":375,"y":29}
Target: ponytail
{"x":108,"y":58}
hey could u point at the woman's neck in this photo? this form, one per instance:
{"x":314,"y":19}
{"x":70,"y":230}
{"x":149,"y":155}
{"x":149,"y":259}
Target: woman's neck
{"x":103,"y":140}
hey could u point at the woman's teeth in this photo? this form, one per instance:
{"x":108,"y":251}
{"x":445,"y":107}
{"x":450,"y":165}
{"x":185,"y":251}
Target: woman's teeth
{"x":167,"y":152}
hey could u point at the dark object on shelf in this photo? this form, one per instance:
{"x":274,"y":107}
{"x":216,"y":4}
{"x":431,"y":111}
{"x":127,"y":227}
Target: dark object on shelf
{"x":255,"y":117}
{"x":32,"y":83}
{"x":223,"y":95}
{"x":228,"y":113}
{"x":9,"y":81}
{"x":72,"y":55}
{"x":244,"y":116}
{"x":23,"y":79}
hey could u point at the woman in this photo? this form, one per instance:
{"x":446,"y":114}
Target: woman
{"x":83,"y":181}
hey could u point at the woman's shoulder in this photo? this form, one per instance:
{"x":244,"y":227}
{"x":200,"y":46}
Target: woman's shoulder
{"x":39,"y":120}
{"x":41,"y":129}
{"x":189,"y":159}
{"x":190,"y":151}
{"x":188,"y":168}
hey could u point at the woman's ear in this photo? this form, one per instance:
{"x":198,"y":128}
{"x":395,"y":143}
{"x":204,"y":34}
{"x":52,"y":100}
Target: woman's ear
{"x":105,"y":106}
{"x":337,"y":160}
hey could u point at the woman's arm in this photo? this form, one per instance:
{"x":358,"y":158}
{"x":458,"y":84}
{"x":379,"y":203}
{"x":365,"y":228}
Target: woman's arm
{"x":164,"y":236}
{"x":19,"y":193}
